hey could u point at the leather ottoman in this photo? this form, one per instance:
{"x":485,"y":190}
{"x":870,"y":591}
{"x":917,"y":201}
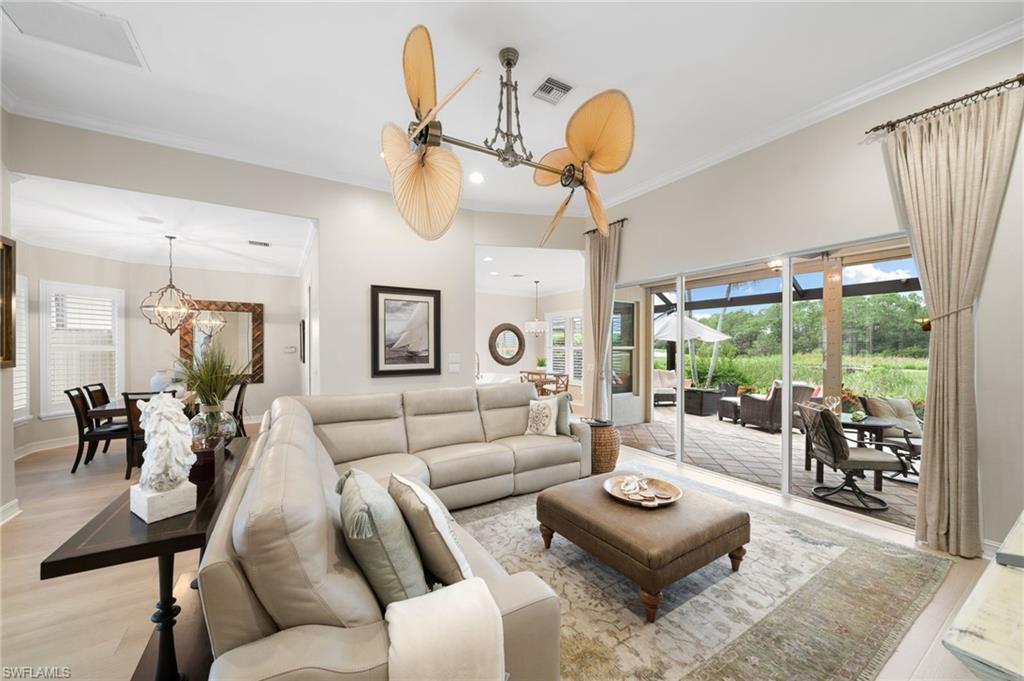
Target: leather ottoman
{"x":652,"y":547}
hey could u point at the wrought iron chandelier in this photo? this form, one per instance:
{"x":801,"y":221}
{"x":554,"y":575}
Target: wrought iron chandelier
{"x":426,"y":178}
{"x":536,"y":327}
{"x":168,"y":307}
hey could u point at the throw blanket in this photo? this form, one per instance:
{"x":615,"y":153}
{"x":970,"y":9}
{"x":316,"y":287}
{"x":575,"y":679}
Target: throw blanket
{"x":452,"y":634}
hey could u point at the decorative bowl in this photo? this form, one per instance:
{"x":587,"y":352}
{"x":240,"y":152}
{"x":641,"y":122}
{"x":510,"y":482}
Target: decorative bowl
{"x":642,"y":491}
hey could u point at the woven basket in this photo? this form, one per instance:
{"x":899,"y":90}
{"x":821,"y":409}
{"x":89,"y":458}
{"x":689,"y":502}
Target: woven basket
{"x":604,"y":447}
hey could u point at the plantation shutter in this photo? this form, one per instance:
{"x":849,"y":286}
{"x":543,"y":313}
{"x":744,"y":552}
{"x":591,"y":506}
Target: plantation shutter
{"x":81,"y":341}
{"x":577,"y":349}
{"x":20,"y":378}
{"x":557,"y":344}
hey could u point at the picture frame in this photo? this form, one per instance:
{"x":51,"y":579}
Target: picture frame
{"x":8,"y":263}
{"x":405,"y":331}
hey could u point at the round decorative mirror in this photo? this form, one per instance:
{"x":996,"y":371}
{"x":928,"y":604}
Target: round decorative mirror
{"x":507,"y":344}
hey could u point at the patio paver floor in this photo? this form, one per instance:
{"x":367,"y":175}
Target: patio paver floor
{"x":753,"y":455}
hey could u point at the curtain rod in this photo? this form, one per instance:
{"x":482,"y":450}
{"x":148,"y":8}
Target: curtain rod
{"x":977,"y":95}
{"x":620,"y":221}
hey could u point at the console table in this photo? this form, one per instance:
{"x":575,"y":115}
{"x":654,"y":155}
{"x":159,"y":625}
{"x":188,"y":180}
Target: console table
{"x":115,"y":536}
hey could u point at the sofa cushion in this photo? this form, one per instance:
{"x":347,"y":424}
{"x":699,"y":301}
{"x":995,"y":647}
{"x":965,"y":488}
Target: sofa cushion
{"x":378,"y":537}
{"x":538,"y":451}
{"x":431,"y":526}
{"x":543,"y":417}
{"x":442,"y":416}
{"x":564,"y":400}
{"x":287,"y":543}
{"x":897,"y":409}
{"x":357,"y":426}
{"x":505,"y":408}
{"x":381,"y":467}
{"x":452,"y":464}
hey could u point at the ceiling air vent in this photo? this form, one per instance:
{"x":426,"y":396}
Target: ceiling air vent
{"x":552,"y":91}
{"x":261,"y":244}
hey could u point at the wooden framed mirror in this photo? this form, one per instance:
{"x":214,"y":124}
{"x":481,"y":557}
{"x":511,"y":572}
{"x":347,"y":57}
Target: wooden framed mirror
{"x":241,"y":335}
{"x":507,"y":344}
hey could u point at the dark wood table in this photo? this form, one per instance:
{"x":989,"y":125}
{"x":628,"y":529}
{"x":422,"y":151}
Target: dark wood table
{"x":110,"y":410}
{"x":116,"y":536}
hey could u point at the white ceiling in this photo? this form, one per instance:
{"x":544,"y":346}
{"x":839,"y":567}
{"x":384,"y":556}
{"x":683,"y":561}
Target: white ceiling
{"x":307,"y":86}
{"x":100,"y":221}
{"x":558,"y":271}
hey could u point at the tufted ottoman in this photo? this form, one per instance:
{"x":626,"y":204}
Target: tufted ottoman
{"x":652,"y":547}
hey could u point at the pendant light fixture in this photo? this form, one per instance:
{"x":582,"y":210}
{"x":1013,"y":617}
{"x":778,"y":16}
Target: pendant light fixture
{"x":536,"y":326}
{"x":168,"y":307}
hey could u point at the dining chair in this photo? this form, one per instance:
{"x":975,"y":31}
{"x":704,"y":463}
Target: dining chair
{"x":136,"y":435}
{"x":98,"y":396}
{"x":238,"y":409}
{"x":90,"y":432}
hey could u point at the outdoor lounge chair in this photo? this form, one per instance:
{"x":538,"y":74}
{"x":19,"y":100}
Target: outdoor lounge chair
{"x":906,"y":438}
{"x":830,"y":445}
{"x":765,"y":411}
{"x":664,"y":386}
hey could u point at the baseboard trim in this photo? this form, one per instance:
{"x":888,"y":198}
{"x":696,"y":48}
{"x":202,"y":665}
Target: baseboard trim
{"x":42,"y":445}
{"x":9,"y":510}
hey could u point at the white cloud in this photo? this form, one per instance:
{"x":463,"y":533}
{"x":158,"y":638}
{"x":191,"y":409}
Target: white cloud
{"x":863,"y":274}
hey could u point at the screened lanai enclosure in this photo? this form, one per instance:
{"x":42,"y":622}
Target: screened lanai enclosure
{"x":857,"y":346}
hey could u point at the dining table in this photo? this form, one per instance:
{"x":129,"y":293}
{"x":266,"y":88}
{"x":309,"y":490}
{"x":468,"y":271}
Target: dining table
{"x":116,"y":408}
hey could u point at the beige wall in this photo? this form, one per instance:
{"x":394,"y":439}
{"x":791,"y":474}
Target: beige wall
{"x":148,"y":348}
{"x":826,"y":185}
{"x":8,"y":494}
{"x":493,"y":309}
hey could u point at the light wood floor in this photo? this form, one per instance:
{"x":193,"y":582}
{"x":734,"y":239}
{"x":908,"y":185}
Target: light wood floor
{"x":97,"y":623}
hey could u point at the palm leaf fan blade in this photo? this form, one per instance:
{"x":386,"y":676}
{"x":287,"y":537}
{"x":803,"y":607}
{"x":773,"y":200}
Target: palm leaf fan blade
{"x":556,"y":218}
{"x":394,"y":145}
{"x":418,"y":68}
{"x":432,"y":114}
{"x":559,"y":158}
{"x":594,"y":201}
{"x":600,"y":132}
{"x":426,"y":187}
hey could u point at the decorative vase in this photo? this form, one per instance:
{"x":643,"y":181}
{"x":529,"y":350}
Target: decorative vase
{"x":160,"y":379}
{"x":212,"y":424}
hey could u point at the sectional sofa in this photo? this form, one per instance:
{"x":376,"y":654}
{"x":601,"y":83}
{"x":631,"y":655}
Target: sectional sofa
{"x":282,"y":596}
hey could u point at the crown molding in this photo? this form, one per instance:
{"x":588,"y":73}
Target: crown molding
{"x":907,"y":75}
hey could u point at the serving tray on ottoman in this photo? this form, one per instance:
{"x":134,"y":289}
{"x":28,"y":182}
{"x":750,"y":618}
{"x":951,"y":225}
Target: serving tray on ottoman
{"x":652,"y":547}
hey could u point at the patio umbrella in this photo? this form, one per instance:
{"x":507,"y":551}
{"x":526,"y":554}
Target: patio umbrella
{"x":665,"y":329}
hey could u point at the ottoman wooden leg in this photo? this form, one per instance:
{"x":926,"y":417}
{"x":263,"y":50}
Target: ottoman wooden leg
{"x":736,"y":557}
{"x":547,"y":533}
{"x":651,"y":603}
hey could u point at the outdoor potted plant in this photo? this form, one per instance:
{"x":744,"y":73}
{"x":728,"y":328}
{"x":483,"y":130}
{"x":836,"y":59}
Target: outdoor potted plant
{"x":211,"y":376}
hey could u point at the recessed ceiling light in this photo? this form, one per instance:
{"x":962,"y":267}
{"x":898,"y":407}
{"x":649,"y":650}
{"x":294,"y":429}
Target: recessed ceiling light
{"x":476,"y":177}
{"x":493,"y":274}
{"x":150,"y":219}
{"x":488,"y":259}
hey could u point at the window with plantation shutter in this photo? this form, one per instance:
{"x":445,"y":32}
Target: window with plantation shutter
{"x":81,"y":341}
{"x":565,"y":345}
{"x":20,"y":378}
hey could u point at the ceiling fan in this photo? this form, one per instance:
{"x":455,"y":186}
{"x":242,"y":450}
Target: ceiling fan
{"x":426,"y":179}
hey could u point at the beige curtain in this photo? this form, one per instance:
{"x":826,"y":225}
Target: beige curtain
{"x":602,"y":260}
{"x":949,"y":176}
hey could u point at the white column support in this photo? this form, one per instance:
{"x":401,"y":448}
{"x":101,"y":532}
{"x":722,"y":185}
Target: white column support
{"x":787,"y":374}
{"x":680,"y":367}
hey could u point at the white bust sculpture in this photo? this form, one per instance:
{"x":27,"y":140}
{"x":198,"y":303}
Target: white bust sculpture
{"x":169,"y":455}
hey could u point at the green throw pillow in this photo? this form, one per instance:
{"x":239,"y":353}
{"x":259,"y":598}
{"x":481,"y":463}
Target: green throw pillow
{"x":564,"y":412}
{"x":379,"y":539}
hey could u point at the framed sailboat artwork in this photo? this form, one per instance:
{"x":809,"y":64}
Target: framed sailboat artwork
{"x":405,"y":331}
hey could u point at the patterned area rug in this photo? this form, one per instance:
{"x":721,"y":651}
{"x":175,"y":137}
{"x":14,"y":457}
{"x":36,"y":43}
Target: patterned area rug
{"x":811,"y":600}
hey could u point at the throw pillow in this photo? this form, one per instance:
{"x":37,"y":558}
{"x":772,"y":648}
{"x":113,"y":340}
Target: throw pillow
{"x":378,"y":538}
{"x":564,"y":413}
{"x":431,"y":526}
{"x":896,"y":409}
{"x":543,"y":417}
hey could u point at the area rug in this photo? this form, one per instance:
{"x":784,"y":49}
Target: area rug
{"x":811,"y":600}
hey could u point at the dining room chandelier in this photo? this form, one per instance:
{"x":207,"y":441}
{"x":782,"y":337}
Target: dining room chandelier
{"x":209,"y":322}
{"x":426,"y":178}
{"x":168,"y":307}
{"x":536,"y":327}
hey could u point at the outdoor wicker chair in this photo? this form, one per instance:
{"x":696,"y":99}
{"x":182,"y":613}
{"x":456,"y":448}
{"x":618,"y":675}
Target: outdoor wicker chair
{"x":765,"y":411}
{"x":830,"y":445}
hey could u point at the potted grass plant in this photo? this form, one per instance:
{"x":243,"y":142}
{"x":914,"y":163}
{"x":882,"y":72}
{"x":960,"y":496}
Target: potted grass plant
{"x":211,"y":376}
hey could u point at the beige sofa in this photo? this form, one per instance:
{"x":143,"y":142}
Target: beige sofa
{"x":282,"y":596}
